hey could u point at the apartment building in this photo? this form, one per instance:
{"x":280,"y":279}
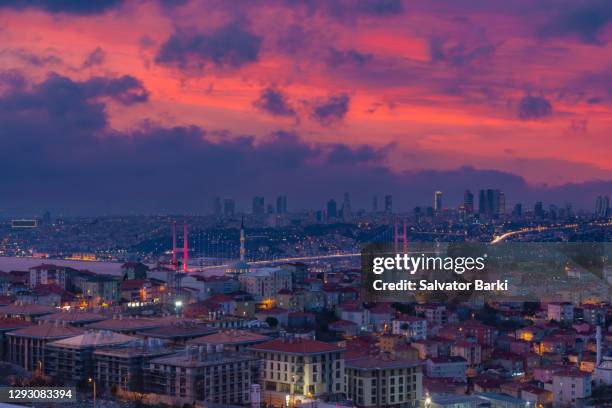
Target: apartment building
{"x":301,"y":368}
{"x":72,"y":359}
{"x":380,"y":382}
{"x":201,"y":373}
{"x":410,"y":326}
{"x":124,"y":366}
{"x":265,"y":283}
{"x":569,"y":387}
{"x":26,"y":346}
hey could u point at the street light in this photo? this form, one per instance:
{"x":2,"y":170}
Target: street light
{"x":91,"y":380}
{"x":427,"y":401}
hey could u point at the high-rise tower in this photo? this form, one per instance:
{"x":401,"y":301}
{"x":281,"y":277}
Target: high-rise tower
{"x":438,"y":201}
{"x":242,"y":242}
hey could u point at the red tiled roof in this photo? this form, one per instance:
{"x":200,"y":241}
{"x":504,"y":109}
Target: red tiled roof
{"x":26,"y":309}
{"x":9,"y":324}
{"x":297,"y":346}
{"x":47,"y":331}
{"x":231,"y":337}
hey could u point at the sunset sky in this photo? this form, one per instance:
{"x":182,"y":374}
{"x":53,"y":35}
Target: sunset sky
{"x":117,"y":106}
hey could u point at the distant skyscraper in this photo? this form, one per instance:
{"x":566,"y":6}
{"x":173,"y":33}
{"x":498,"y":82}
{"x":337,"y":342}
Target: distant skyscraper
{"x":602,"y":206}
{"x":518,"y":210}
{"x":388,"y":203}
{"x":538,"y":210}
{"x":229,"y":207}
{"x":375,"y":204}
{"x":46,"y":218}
{"x":438,"y":201}
{"x":346,"y":207}
{"x":259,"y":206}
{"x":553,"y":211}
{"x":281,"y":204}
{"x":242,"y":242}
{"x":332,"y":209}
{"x":482,"y":202}
{"x":270,"y":209}
{"x":216,"y":206}
{"x":491,"y":202}
{"x":468,"y":201}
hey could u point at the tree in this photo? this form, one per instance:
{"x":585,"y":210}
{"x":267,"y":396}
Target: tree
{"x":272,"y":321}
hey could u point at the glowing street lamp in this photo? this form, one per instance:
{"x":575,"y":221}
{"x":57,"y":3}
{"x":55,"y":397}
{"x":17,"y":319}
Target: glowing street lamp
{"x":91,"y":381}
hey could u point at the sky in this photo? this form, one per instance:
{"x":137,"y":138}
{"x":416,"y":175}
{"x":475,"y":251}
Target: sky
{"x":152,"y":106}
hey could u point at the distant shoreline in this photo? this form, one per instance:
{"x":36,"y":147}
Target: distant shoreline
{"x":19,"y":263}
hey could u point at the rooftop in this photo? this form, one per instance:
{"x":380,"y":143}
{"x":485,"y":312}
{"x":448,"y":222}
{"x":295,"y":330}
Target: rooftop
{"x":74,"y":317}
{"x":180,"y":330}
{"x":94,"y":339}
{"x":47,"y":331}
{"x":127,"y":324}
{"x":297,"y":346}
{"x":26,"y":309}
{"x":231,"y":337}
{"x":197,"y":359}
{"x":12,"y":324}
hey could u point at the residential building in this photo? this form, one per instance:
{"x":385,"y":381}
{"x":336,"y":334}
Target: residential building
{"x":265,"y":283}
{"x":26,"y":346}
{"x":300,"y":367}
{"x":379,"y":382}
{"x":470,"y":351}
{"x":561,"y":312}
{"x":447,"y":367}
{"x":124,"y":366}
{"x":410,"y":326}
{"x":201,"y":373}
{"x":569,"y":387}
{"x":72,"y":359}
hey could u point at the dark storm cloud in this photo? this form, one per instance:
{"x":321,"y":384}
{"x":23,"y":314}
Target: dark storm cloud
{"x":339,"y":153}
{"x":457,"y":54}
{"x":82,"y":7}
{"x":274,"y":102}
{"x":59,"y":103}
{"x":126,"y":89}
{"x":584,"y":19}
{"x":229,"y":46}
{"x":338,"y":58}
{"x":96,"y":57}
{"x":331,"y":110}
{"x":534,"y":107}
{"x":379,"y":8}
{"x":38,"y":60}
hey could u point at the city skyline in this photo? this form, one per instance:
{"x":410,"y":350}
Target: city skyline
{"x":389,"y":97}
